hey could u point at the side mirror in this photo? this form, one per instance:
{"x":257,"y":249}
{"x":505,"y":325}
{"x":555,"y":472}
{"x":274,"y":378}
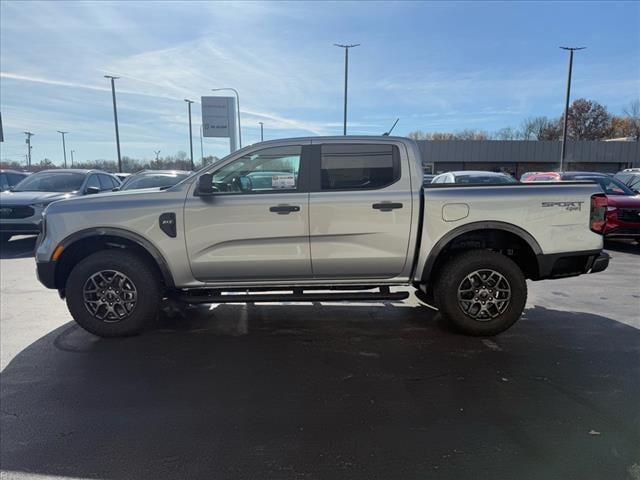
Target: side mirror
{"x":92,"y":190}
{"x":205,"y":185}
{"x":246,"y":185}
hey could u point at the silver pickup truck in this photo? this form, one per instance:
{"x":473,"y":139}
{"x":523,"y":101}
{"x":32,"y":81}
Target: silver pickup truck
{"x":318,"y":219}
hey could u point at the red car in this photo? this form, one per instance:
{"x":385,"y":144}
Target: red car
{"x":622,"y":217}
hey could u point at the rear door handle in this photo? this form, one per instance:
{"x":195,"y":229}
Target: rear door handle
{"x":284,"y":209}
{"x":386,"y":206}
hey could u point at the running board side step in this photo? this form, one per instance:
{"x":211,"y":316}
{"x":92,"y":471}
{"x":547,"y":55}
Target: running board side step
{"x":297,"y":296}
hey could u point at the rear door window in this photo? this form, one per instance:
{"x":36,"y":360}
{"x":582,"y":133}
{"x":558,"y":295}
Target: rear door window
{"x":358,"y":167}
{"x":105,"y":182}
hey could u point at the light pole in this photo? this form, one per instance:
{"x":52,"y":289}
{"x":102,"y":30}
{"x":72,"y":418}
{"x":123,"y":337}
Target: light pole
{"x":238,"y":108}
{"x":346,"y":79}
{"x":189,"y":102}
{"x":157,"y":152}
{"x":28,"y":142}
{"x":201,"y":148}
{"x":563,"y":151}
{"x":64,"y":148}
{"x":115,"y":118}
{"x":261,"y":131}
{"x":72,"y":158}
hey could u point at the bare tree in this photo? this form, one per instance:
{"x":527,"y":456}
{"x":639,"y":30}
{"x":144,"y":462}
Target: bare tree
{"x":633,"y":114}
{"x":469,"y":134}
{"x":507,"y":133}
{"x":536,"y":128}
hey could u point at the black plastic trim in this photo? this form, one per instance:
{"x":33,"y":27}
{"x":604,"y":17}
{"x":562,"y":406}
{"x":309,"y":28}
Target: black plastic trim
{"x":297,"y":296}
{"x":126,"y":234}
{"x":595,"y":261}
{"x":471,"y":227}
{"x":47,"y":273}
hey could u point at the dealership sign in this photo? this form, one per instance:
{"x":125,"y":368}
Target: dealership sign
{"x":219,"y":118}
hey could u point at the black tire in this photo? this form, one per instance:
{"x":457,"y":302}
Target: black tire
{"x":493,"y":318}
{"x":4,"y":238}
{"x":141,"y":278}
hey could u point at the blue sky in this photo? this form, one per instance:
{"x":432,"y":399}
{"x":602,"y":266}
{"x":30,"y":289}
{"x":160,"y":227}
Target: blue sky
{"x":441,"y":66}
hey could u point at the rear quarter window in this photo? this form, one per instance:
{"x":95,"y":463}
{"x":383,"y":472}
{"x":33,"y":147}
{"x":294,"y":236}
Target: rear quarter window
{"x":359,"y":167}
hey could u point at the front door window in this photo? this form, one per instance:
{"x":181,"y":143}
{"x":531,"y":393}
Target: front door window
{"x":272,"y":170}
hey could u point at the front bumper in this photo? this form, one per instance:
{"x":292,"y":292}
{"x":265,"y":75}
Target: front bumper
{"x":46,"y":273}
{"x":623,"y":232}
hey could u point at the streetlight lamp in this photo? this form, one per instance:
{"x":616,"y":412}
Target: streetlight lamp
{"x":238,"y":108}
{"x":157,"y":152}
{"x":189,"y":102}
{"x":261,"y":131}
{"x":346,"y":77}
{"x":72,"y":158}
{"x":563,"y":151}
{"x":115,"y":118}
{"x":64,"y":148}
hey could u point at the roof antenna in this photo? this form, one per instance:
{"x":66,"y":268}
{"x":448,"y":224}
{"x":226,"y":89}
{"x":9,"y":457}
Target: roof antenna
{"x":386,"y":134}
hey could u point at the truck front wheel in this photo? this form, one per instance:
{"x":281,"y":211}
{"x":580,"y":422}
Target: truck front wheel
{"x":113,"y":293}
{"x":481,"y":292}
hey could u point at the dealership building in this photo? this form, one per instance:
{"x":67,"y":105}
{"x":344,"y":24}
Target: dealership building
{"x":519,"y":156}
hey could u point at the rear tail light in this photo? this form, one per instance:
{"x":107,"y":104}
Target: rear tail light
{"x":598,"y":216}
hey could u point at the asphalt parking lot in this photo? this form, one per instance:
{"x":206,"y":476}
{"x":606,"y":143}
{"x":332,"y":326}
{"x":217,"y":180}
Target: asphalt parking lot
{"x":381,"y":390}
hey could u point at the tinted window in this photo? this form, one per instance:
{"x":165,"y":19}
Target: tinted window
{"x":51,"y":182}
{"x":14,"y":178}
{"x":155,"y":180}
{"x":4,"y":181}
{"x":611,"y":186}
{"x":265,"y":171}
{"x":105,"y":182}
{"x":359,"y":167}
{"x":93,"y":182}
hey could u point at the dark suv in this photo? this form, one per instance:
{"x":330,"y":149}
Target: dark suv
{"x":21,"y":207}
{"x":10,"y":178}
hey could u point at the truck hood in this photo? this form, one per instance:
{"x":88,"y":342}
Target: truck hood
{"x":29,"y":198}
{"x":119,"y":200}
{"x":623,"y":201}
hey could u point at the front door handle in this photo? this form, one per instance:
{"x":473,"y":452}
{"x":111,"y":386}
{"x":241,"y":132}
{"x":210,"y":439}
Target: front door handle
{"x":284,"y":209}
{"x":386,"y":206}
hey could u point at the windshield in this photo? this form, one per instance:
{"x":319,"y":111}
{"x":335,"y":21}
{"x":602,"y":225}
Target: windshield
{"x":611,"y":186}
{"x":484,"y":179}
{"x":51,"y":182}
{"x":150,"y":181}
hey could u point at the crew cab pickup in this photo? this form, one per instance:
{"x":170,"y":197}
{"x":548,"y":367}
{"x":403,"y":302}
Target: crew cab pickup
{"x":322,"y":218}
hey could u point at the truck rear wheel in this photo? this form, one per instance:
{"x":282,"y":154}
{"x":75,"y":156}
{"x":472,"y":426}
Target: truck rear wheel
{"x":113,"y":293}
{"x":481,"y":292}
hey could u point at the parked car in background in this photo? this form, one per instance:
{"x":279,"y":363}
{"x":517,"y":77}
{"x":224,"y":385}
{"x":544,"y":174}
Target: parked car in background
{"x":427,"y":177}
{"x":10,"y":178}
{"x":630,"y":177}
{"x":477,"y":177}
{"x":622,"y":217}
{"x":122,"y":176}
{"x":623,"y":207}
{"x":21,"y":207}
{"x":154,"y":179}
